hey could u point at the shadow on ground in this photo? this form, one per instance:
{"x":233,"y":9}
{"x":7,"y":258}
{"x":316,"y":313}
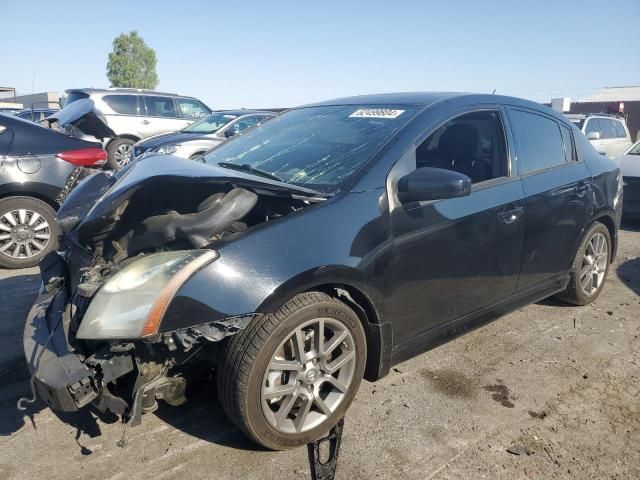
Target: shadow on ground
{"x":202,"y":417}
{"x":629,"y":272}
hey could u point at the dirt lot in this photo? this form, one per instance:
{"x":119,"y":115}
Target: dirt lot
{"x":561,"y":381}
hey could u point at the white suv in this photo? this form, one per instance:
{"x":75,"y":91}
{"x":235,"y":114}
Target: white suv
{"x":608,"y":134}
{"x":134,"y":114}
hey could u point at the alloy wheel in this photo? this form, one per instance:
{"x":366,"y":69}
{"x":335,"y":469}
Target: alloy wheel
{"x":594,"y":264}
{"x":123,"y":154}
{"x":23,"y":233}
{"x":308,"y":376}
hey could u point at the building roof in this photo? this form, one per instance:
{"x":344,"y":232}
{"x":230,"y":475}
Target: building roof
{"x":614,"y":94}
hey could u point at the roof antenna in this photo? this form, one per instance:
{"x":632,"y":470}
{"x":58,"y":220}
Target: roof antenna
{"x":494,"y":92}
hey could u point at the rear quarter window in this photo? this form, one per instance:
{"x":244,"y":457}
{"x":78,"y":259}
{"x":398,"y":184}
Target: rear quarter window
{"x":538,"y":140}
{"x":122,"y":104}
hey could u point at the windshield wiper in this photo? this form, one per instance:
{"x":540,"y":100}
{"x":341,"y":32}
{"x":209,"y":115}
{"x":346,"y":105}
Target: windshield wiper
{"x":245,"y":167}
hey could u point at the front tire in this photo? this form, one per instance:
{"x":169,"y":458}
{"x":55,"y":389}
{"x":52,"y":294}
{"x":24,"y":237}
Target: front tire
{"x":28,"y":231}
{"x":119,"y":153}
{"x":290,"y":376}
{"x":590,"y":267}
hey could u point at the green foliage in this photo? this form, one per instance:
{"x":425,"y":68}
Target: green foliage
{"x":132,"y":63}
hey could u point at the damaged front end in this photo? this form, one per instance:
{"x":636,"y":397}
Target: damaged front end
{"x":98,"y":333}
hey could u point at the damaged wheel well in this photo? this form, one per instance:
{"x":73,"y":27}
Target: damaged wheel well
{"x":378,"y":337}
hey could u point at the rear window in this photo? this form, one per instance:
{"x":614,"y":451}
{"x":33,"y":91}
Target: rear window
{"x":122,"y":104}
{"x":539,"y":141}
{"x":73,"y":96}
{"x":160,"y":106}
{"x":620,"y":129}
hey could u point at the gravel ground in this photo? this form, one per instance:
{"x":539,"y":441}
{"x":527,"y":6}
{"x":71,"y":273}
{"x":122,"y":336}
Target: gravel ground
{"x":559,"y":383}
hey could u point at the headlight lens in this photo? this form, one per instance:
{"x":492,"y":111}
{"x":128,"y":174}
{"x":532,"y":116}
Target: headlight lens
{"x":131,"y":304}
{"x":167,"y":149}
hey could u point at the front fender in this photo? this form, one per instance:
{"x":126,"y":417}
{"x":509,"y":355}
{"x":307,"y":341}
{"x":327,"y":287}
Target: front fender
{"x":341,"y":241}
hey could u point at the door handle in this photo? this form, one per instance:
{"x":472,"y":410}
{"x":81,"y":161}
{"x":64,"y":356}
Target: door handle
{"x":510,"y":215}
{"x":144,"y":122}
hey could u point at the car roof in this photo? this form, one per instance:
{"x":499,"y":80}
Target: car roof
{"x":429,"y":98}
{"x":244,"y":111}
{"x":124,"y":91}
{"x":13,"y":120}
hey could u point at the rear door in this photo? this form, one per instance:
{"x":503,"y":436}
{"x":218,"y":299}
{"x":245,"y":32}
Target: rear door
{"x":557,"y":188}
{"x":453,"y":257}
{"x":124,"y":116}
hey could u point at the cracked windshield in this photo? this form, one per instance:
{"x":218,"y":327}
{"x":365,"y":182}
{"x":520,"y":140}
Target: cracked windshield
{"x":315,"y":147}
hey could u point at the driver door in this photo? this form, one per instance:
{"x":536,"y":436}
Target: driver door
{"x":456,"y":256}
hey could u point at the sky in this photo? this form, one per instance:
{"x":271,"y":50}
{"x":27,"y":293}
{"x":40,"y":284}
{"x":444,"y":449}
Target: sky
{"x":248,"y":53}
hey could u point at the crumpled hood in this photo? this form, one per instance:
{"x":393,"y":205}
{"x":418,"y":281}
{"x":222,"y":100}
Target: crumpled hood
{"x":100,"y":199}
{"x":172,"y":138}
{"x":83,"y":115}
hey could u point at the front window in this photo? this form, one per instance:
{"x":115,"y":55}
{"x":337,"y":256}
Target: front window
{"x":315,"y":147}
{"x":210,"y":124}
{"x":190,"y":108}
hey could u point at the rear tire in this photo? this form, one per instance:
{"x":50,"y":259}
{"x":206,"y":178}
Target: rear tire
{"x":251,"y":370}
{"x":28,"y":231}
{"x":590,"y":267}
{"x":117,"y":152}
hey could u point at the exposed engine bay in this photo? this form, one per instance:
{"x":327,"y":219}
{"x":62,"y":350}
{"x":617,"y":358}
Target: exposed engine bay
{"x":112,"y":228}
{"x":158,"y":218}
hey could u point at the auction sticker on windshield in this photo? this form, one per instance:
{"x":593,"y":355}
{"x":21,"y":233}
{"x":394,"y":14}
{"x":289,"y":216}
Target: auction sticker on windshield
{"x":376,"y":113}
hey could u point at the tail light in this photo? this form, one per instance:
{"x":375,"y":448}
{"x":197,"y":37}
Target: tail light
{"x":84,"y":157}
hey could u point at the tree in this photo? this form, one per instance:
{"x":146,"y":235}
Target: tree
{"x":132,"y":63}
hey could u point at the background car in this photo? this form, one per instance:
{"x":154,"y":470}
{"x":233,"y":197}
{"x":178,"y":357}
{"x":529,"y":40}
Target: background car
{"x":38,"y":167}
{"x":322,"y":247}
{"x":36,"y":114}
{"x":608,"y":134}
{"x":202,"y":135}
{"x":134,"y":114}
{"x":629,"y":164}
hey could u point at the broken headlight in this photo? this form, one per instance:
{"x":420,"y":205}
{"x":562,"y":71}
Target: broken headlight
{"x":131,"y":303}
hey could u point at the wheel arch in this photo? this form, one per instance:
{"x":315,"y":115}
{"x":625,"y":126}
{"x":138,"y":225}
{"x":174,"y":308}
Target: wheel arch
{"x":31,"y":190}
{"x":128,"y":136}
{"x":354,"y":294}
{"x":608,"y":221}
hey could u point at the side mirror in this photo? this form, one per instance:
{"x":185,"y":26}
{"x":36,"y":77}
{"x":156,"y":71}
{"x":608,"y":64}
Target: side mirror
{"x":429,"y":183}
{"x":229,"y":133}
{"x":593,"y":136}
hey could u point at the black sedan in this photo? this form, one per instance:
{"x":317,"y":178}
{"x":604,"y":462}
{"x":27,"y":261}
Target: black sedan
{"x":318,"y":249}
{"x":38,"y":167}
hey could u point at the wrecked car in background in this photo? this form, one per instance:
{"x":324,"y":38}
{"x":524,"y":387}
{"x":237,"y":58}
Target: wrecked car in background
{"x":321,"y":247}
{"x":38,"y":168}
{"x":129,"y":114}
